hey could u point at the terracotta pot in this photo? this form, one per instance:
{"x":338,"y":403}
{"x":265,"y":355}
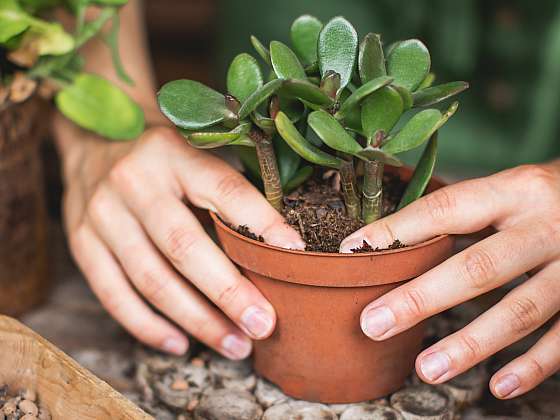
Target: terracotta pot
{"x":318,"y":351}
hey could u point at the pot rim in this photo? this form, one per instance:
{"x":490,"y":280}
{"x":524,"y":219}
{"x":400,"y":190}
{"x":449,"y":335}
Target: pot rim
{"x":217,"y":220}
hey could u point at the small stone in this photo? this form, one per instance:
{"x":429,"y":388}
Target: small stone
{"x":370,"y":412}
{"x":29,"y":394}
{"x":226,"y":404}
{"x":179,"y":385}
{"x":229,"y":369}
{"x":44,"y":414}
{"x":28,"y":417}
{"x":268,"y":394}
{"x":184,"y":385}
{"x":198,"y":362}
{"x":244,"y":384}
{"x":192,"y":405}
{"x":299,"y":410}
{"x":21,"y":87}
{"x":28,"y":407}
{"x":467,"y":387}
{"x":10,"y":407}
{"x":423,"y":402}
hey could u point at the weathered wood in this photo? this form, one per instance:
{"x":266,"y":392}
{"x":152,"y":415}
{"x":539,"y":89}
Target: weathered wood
{"x":69,"y":391}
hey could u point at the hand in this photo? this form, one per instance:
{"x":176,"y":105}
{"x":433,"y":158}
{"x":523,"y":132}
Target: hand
{"x":140,"y":247}
{"x":523,"y":204}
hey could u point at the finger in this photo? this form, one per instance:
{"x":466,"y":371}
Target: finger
{"x":158,"y":282}
{"x":179,"y":236}
{"x":109,"y":284}
{"x":212,"y":184}
{"x":465,"y":207}
{"x":480,"y":268}
{"x":530,"y":369}
{"x":519,"y":313}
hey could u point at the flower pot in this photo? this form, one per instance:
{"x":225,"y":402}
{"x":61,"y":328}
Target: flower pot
{"x":318,"y":351}
{"x":24,"y":276}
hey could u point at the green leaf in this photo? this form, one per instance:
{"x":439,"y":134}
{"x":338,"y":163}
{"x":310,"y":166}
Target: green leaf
{"x":337,"y":47}
{"x":306,"y":91}
{"x":213,"y":139}
{"x":292,"y":108}
{"x":109,"y":2}
{"x":422,"y":175}
{"x":298,"y":179}
{"x":381,"y":111}
{"x":409,"y":63}
{"x":259,"y":96}
{"x":406,"y":96}
{"x":244,"y":77}
{"x":428,"y":81}
{"x":433,"y":95}
{"x":112,"y":40}
{"x":374,"y":153}
{"x":285,"y":63}
{"x":332,"y":133}
{"x":95,"y":104}
{"x":448,"y":114}
{"x":260,"y":49}
{"x":361,"y":93}
{"x":301,"y":146}
{"x":418,"y":130}
{"x":13,"y":20}
{"x":264,"y":123}
{"x":371,"y":61}
{"x":92,"y":28}
{"x":304,"y":34}
{"x":191,"y":105}
{"x":288,"y":160}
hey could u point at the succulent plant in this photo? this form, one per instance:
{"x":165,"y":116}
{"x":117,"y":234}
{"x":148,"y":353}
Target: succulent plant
{"x":34,"y":50}
{"x":336,"y":102}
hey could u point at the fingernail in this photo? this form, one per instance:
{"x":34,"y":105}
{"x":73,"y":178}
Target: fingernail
{"x":434,"y":365}
{"x":175,"y":346}
{"x":236,"y":347}
{"x":507,"y":385}
{"x":257,"y":321}
{"x":378,"y":321}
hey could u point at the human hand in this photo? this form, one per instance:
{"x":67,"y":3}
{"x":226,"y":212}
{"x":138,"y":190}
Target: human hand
{"x":523,"y":204}
{"x":139,"y":246}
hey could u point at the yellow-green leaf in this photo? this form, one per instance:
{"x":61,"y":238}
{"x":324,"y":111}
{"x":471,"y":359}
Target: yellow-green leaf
{"x":244,"y":77}
{"x":416,"y":131}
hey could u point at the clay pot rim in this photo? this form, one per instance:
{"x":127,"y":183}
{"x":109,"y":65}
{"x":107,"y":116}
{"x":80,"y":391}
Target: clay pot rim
{"x":244,"y":238}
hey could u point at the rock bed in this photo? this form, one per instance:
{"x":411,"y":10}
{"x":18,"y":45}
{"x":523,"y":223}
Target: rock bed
{"x":205,"y":386}
{"x":22,"y":406}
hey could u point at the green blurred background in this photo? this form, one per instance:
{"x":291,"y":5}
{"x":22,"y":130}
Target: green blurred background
{"x":508,"y":50}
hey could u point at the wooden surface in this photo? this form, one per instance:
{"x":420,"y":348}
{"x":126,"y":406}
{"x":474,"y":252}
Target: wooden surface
{"x":68,"y":390}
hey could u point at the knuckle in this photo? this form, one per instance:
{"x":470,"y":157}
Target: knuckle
{"x":230,"y":187}
{"x":538,"y":178}
{"x":99,"y":206}
{"x":179,"y":243}
{"x":478,"y":268}
{"x":535,"y":368}
{"x":415,"y":303}
{"x":440,"y":204}
{"x":229,"y":294}
{"x":123,"y":172}
{"x":470,"y":346}
{"x":152,"y":285}
{"x":525,"y":315}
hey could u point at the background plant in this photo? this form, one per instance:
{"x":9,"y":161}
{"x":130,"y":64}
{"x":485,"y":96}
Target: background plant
{"x":336,"y":102}
{"x":34,"y":49}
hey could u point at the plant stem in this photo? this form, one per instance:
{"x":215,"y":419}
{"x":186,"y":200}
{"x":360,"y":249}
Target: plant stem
{"x":269,"y":168}
{"x":348,"y":186}
{"x":372,"y":191}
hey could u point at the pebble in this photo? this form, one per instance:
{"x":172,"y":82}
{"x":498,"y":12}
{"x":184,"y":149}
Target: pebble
{"x":268,"y":394}
{"x":179,"y":388}
{"x":370,"y":412}
{"x":299,"y":410}
{"x":229,"y":369}
{"x":423,"y":402}
{"x":28,"y":407}
{"x":228,"y":404}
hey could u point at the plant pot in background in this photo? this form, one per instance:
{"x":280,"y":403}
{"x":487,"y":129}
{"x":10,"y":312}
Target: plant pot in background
{"x":318,"y":351}
{"x":24,"y":278}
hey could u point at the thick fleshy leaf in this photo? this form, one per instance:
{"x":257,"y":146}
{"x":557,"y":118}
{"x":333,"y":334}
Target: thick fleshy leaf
{"x":260,"y":49}
{"x":381,"y":111}
{"x":435,"y":94}
{"x":406,"y":96}
{"x":264,"y":123}
{"x":304,"y":35}
{"x":288,"y":160}
{"x":285,"y":63}
{"x":337,"y":49}
{"x":259,"y":96}
{"x":332,"y":133}
{"x":416,"y":131}
{"x":409,"y":63}
{"x":95,"y":104}
{"x":244,"y":77}
{"x":330,"y":84}
{"x":301,"y":146}
{"x":422,"y":174}
{"x":291,"y":107}
{"x":362,"y":92}
{"x":371,"y":61}
{"x":428,"y":81}
{"x":13,"y":20}
{"x":306,"y":91}
{"x":214,"y":139}
{"x":448,"y":114}
{"x":374,"y":153}
{"x":298,"y":179}
{"x":191,"y":105}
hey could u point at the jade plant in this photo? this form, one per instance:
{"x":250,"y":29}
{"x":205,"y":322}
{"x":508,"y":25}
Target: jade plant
{"x":39,"y":54}
{"x":331,"y":101}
